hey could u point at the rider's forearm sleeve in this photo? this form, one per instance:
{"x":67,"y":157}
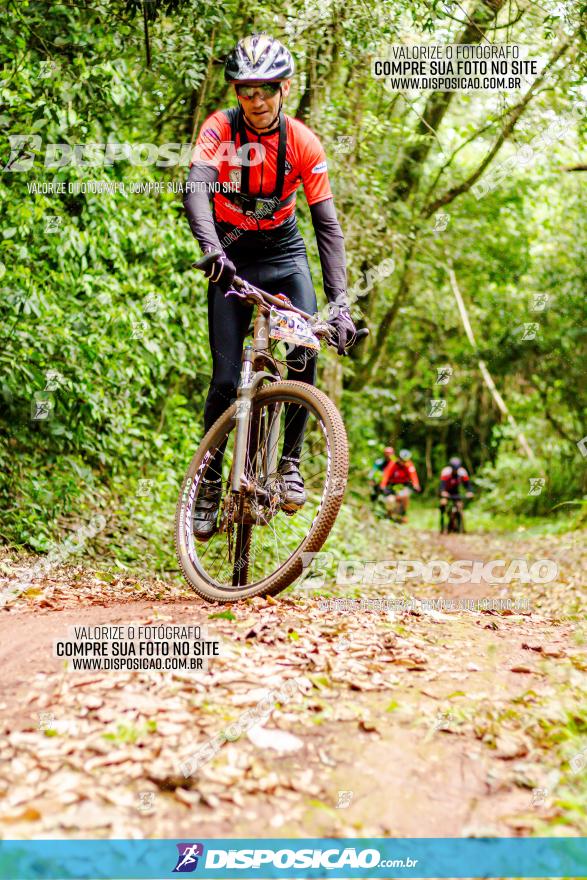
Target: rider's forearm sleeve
{"x":196,"y":201}
{"x":330,"y":247}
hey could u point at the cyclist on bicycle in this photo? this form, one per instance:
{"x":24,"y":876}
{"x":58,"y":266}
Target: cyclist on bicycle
{"x":376,"y":472}
{"x":398,"y":480}
{"x":452,"y":477}
{"x":241,"y":200}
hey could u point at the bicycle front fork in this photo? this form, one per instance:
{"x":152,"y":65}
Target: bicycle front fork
{"x":244,"y":397}
{"x":247,"y":433}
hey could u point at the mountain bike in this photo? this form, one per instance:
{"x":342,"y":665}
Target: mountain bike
{"x":258,"y":547}
{"x":455,"y":517}
{"x":395,"y":502}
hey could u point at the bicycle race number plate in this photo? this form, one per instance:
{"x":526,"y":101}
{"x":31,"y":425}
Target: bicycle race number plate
{"x":291,"y":327}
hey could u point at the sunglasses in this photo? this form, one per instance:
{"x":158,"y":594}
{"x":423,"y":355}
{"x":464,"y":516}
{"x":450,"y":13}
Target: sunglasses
{"x":267,"y":90}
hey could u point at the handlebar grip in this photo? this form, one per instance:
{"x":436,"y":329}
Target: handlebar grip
{"x":204,"y":262}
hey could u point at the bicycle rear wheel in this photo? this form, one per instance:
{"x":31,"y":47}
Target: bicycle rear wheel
{"x":259,"y":549}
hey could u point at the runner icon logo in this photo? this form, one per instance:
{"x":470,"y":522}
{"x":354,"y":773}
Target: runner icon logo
{"x":187,"y":860}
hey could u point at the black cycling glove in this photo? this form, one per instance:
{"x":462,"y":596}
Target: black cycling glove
{"x":222,"y":272}
{"x":340,"y":320}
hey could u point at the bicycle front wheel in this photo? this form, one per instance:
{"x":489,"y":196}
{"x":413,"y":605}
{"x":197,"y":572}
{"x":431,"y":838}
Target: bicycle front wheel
{"x":258,"y":547}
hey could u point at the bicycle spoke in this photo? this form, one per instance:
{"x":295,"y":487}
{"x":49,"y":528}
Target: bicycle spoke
{"x":263,"y":537}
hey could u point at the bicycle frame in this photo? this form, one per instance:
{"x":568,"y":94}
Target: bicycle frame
{"x":454,"y":505}
{"x":254,"y":371}
{"x":245,"y":447}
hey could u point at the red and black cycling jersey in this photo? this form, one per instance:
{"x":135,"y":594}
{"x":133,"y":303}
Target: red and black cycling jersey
{"x":400,"y":473}
{"x":451,"y":480}
{"x":305,"y":162}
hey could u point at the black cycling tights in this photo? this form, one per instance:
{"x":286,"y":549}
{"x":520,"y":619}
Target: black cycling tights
{"x":277,"y":265}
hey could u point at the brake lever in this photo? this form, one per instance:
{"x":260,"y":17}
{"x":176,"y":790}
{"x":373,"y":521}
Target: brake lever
{"x":359,"y":335}
{"x":206,"y":260}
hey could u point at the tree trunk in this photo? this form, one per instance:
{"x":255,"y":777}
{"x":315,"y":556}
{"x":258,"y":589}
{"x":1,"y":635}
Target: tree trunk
{"x":438,"y":103}
{"x":429,"y":471}
{"x":304,"y":110}
{"x":499,"y":401}
{"x":197,"y":97}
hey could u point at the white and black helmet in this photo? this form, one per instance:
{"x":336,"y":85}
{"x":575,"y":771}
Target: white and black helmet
{"x":258,"y":58}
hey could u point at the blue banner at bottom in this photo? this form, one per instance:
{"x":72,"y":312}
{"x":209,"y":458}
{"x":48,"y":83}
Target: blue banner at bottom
{"x":287,"y":857}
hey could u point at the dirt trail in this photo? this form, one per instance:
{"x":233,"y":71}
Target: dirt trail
{"x":26,"y":641}
{"x":413,"y":724}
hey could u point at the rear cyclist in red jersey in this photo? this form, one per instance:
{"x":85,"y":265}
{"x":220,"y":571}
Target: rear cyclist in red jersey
{"x":397,"y":478}
{"x":452,"y":477}
{"x":240,"y":200}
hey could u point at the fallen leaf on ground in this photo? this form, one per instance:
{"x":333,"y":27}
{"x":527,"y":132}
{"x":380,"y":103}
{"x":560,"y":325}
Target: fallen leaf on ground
{"x":278,"y":740}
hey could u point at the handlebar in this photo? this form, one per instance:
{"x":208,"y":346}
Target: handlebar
{"x":240,"y":284}
{"x":280,"y":302}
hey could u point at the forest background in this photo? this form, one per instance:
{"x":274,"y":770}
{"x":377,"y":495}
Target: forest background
{"x":441,"y":196}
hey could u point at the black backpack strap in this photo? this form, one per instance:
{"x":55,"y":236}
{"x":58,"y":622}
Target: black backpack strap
{"x":281,"y":150}
{"x":231,"y":118}
{"x":237,"y":126}
{"x":237,"y":121}
{"x":234,"y":118}
{"x":242,"y":131}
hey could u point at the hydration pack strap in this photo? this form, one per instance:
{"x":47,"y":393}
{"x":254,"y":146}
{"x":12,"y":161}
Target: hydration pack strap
{"x":237,"y":124}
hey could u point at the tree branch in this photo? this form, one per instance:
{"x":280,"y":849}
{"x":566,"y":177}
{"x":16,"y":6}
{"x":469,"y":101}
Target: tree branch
{"x":387,"y":320}
{"x":516,"y":112}
{"x":438,"y":102}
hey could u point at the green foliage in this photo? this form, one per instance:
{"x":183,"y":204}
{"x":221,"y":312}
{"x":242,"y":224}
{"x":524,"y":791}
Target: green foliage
{"x":82,"y":274}
{"x":516,"y":486}
{"x":128,"y":734}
